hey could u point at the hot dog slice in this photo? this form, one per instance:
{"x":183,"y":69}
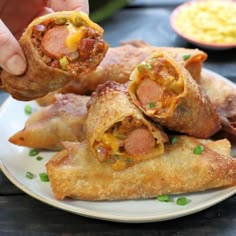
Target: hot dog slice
{"x":53,"y":42}
{"x":149,"y":91}
{"x":139,"y":141}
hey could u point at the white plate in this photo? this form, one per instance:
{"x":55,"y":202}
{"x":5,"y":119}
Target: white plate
{"x":202,"y":44}
{"x":15,"y":162}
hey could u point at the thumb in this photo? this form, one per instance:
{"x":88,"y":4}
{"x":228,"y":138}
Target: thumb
{"x":11,"y":55}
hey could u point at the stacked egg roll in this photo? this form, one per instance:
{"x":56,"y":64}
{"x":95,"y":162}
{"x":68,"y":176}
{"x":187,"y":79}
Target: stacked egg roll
{"x":49,"y":126}
{"x":165,"y":91}
{"x":76,"y":173}
{"x":117,"y":131}
{"x":222,"y":94}
{"x":58,"y":47}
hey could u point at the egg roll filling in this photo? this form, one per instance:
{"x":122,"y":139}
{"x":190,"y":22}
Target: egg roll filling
{"x":126,"y":143}
{"x":158,"y":86}
{"x":65,"y":42}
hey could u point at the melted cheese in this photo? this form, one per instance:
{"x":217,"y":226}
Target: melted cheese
{"x":74,"y":37}
{"x":110,"y":141}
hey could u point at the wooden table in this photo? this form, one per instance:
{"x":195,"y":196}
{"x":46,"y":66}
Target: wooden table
{"x":20,"y":214}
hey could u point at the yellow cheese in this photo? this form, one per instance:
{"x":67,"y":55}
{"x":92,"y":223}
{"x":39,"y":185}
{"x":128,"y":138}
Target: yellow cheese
{"x":74,"y":37}
{"x":110,"y":141}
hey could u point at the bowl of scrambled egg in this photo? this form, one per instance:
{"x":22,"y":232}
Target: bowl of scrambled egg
{"x":206,"y":23}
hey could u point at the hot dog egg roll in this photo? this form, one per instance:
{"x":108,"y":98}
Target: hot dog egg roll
{"x":165,"y":91}
{"x":117,"y":131}
{"x":222,"y":94}
{"x":48,"y":127}
{"x":75,"y":173}
{"x":58,"y":47}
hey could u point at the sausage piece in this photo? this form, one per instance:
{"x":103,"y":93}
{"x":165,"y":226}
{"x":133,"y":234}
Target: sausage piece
{"x":149,"y":91}
{"x":139,"y":141}
{"x":53,"y":42}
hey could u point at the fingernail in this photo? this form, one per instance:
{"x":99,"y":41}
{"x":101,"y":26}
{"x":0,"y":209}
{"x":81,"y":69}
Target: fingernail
{"x":16,"y":65}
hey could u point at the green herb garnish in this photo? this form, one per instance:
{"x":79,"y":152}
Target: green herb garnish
{"x":148,"y":66}
{"x":29,"y":175}
{"x":173,"y":140}
{"x":64,"y":62}
{"x":164,"y":198}
{"x":44,"y":177}
{"x":33,"y":152}
{"x":186,"y":56}
{"x":151,"y":105}
{"x":28,"y":109}
{"x":198,"y":149}
{"x":182,"y":201}
{"x":39,"y":158}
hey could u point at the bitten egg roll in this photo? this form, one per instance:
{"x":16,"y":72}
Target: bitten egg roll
{"x":117,"y":131}
{"x":58,"y":48}
{"x":165,"y":91}
{"x":75,"y":173}
{"x":48,"y":127}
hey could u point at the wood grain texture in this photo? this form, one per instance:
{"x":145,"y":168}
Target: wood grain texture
{"x":23,"y":215}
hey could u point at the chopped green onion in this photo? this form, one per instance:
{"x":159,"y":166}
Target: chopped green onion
{"x":33,"y":152}
{"x":198,"y":149}
{"x":151,"y":105}
{"x":173,"y":140}
{"x":44,"y":177}
{"x":186,"y":56}
{"x":39,"y":158}
{"x":28,"y":109}
{"x":129,"y":161}
{"x":182,"y":201}
{"x":29,"y":175}
{"x":148,"y":66}
{"x":63,"y":62}
{"x":164,"y":198}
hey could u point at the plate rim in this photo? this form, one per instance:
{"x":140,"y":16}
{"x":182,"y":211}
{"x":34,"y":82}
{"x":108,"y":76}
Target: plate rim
{"x":174,"y":14}
{"x":63,"y":205}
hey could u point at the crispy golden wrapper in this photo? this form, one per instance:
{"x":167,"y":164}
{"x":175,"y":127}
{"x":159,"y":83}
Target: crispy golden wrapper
{"x":48,"y":127}
{"x":75,"y":173}
{"x":58,"y":47}
{"x":222,"y":94}
{"x":165,"y":91}
{"x":117,"y":131}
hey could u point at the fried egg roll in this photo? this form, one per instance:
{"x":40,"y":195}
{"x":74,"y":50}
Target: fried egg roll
{"x":222,"y":94}
{"x":58,"y":48}
{"x":117,"y":131}
{"x":75,"y":173}
{"x":48,"y":127}
{"x":192,"y":59}
{"x":165,"y":91}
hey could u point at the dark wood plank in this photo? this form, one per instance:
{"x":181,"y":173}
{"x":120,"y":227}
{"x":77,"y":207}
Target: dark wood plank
{"x":6,"y":187}
{"x":23,"y":215}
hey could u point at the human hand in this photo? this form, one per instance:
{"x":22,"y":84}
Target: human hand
{"x":15,"y":17}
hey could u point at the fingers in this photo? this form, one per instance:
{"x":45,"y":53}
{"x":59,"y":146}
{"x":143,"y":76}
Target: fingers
{"x":11,"y":57}
{"x":69,"y":5}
